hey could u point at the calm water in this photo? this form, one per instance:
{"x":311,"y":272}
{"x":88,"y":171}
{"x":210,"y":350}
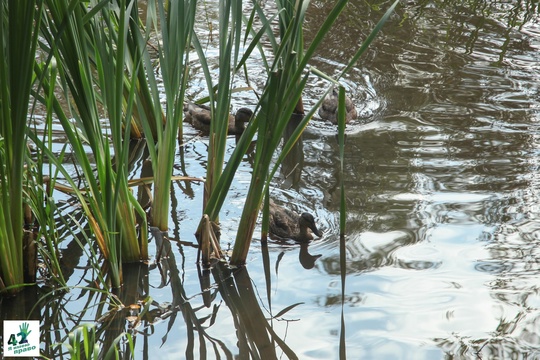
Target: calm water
{"x":443,"y":223}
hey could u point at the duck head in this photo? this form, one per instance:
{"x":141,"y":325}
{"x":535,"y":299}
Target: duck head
{"x":329,"y":107}
{"x":306,"y":221}
{"x":243,"y":115}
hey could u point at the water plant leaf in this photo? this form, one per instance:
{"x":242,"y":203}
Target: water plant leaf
{"x":341,"y":117}
{"x":19,"y":25}
{"x":175,"y":23}
{"x":287,"y":309}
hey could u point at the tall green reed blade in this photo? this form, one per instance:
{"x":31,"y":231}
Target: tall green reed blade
{"x":222,"y":183}
{"x":273,"y":119}
{"x":342,"y":217}
{"x":341,"y":143}
{"x":40,"y":199}
{"x":230,"y":40}
{"x":147,"y":107}
{"x":175,"y":28}
{"x":89,"y":47}
{"x":110,"y":64}
{"x":19,"y":21}
{"x":221,"y":188}
{"x":230,"y":28}
{"x":41,"y":192}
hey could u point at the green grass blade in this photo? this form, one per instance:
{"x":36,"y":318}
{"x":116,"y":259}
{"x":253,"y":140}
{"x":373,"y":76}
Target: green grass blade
{"x":90,"y":45}
{"x":342,"y":112}
{"x":176,"y":27}
{"x":19,"y":21}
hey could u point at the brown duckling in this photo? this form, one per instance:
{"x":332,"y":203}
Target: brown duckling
{"x":287,"y":224}
{"x":199,"y":117}
{"x":328,"y":109}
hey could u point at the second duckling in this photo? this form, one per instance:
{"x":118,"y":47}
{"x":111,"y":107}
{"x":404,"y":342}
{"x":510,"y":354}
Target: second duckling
{"x":287,"y":224}
{"x":328,"y":109}
{"x":199,"y":117}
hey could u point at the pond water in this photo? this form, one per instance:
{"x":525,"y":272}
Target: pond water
{"x":443,"y":215}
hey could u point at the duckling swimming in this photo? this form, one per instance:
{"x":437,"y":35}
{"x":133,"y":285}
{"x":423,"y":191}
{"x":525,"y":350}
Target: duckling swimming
{"x":328,"y":109}
{"x":287,"y":224}
{"x":199,"y":117}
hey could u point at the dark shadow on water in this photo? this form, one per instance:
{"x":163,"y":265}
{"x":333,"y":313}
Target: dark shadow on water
{"x":343,"y":273}
{"x":293,"y":164}
{"x":267,"y":272}
{"x":256,"y":336}
{"x":132,"y":296}
{"x":171,"y":276}
{"x":306,"y":259}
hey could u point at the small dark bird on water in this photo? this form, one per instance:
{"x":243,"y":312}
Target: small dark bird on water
{"x":287,"y":224}
{"x":199,"y":117}
{"x":329,"y":107}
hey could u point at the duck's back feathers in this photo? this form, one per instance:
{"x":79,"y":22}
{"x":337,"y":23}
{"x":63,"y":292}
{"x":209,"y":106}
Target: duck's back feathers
{"x":287,"y":224}
{"x":329,"y":107}
{"x":199,"y":116}
{"x":283,"y":222}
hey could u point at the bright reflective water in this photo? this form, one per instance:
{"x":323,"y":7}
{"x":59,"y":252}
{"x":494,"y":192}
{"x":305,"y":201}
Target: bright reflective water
{"x":442,"y":186}
{"x":443,"y":215}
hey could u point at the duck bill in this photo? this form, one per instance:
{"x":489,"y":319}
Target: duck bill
{"x":316,"y":231}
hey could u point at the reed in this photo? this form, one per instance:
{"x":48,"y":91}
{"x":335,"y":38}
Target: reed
{"x":89,"y":46}
{"x":230,"y":31}
{"x":174,"y":24}
{"x":18,"y":37}
{"x":342,"y":218}
{"x":139,"y":66}
{"x":280,"y":99}
{"x":44,"y":233}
